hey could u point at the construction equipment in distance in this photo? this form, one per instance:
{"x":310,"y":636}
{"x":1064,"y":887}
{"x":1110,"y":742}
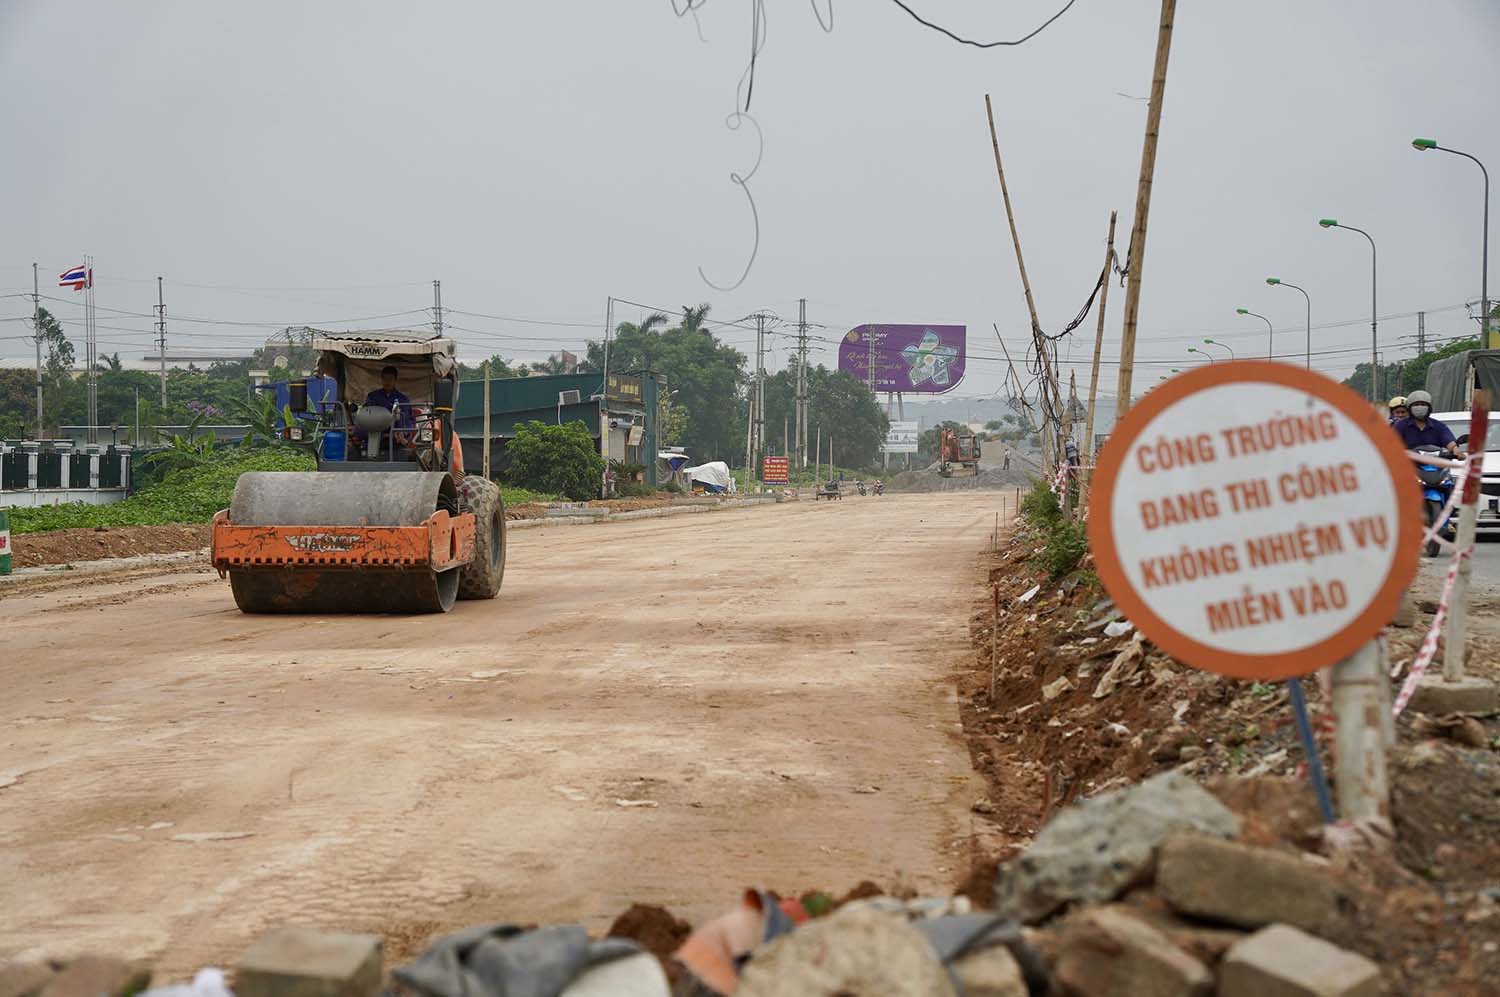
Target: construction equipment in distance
{"x":389,"y":522}
{"x":958,"y":454}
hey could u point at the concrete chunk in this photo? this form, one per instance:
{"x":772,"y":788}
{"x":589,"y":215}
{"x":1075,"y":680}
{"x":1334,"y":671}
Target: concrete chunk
{"x":95,"y":976}
{"x":302,"y":962}
{"x":1251,"y":887}
{"x":1470,"y":694}
{"x":1093,"y":851}
{"x":1281,"y":961}
{"x":1105,"y":950}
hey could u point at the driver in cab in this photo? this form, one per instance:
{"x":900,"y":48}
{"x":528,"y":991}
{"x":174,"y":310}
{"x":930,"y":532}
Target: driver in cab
{"x":388,"y":396}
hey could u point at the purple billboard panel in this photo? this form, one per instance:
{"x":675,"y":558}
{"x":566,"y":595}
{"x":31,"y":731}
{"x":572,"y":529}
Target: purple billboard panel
{"x":905,"y":358}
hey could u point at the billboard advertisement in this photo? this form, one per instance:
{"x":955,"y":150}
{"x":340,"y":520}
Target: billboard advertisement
{"x":920,"y":359}
{"x":902,"y":437}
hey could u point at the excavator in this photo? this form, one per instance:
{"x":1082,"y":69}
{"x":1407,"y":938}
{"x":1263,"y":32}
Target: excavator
{"x":958,"y":455}
{"x":389,"y":522}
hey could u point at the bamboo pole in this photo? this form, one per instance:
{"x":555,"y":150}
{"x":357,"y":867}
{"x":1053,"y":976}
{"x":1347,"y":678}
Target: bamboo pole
{"x":1036,"y":325}
{"x":994,"y":642}
{"x":1137,"y":255}
{"x":1088,"y":425}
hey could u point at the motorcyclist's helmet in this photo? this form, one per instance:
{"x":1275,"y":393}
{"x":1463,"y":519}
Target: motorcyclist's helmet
{"x":1419,"y":400}
{"x":1398,"y":402}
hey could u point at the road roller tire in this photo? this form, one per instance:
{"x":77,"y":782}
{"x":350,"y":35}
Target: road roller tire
{"x":481,"y":577}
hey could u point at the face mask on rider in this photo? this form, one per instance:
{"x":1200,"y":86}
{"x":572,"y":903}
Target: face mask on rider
{"x":1420,"y":411}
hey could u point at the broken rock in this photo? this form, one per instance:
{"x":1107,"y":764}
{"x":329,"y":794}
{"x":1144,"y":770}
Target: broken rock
{"x":1094,"y":850}
{"x":1251,"y":887}
{"x":1108,"y":951}
{"x":1056,"y":688}
{"x":23,"y":979}
{"x":1280,"y":961}
{"x":990,"y":972}
{"x":861,"y":952}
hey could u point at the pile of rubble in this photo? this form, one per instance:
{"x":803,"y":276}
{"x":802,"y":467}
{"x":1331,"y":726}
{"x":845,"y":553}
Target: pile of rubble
{"x":1084,"y":706}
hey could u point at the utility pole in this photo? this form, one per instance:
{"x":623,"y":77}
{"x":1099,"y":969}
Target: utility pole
{"x":437,"y":308}
{"x":802,"y":381}
{"x":1088,"y":426}
{"x":1136,"y":260}
{"x":161,"y":340}
{"x":1421,"y":333}
{"x":36,"y":334}
{"x":758,"y":400}
{"x":609,"y":322}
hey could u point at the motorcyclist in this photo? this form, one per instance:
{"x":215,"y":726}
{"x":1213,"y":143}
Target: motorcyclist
{"x":1396,"y":409}
{"x":1420,"y":429}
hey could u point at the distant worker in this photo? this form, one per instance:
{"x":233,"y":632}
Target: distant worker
{"x":1005,"y":463}
{"x":1396,"y":409}
{"x":387,"y":396}
{"x":1418,"y":429}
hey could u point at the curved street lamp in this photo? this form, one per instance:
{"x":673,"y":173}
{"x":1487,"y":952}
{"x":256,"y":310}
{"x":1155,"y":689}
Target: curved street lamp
{"x":1374,"y":337}
{"x":1422,"y":145}
{"x":1270,"y":332}
{"x":1201,"y":353}
{"x":1215,"y":342}
{"x":1278,"y":282}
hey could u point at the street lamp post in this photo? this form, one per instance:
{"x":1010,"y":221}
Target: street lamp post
{"x":1278,"y":282}
{"x":1201,"y":353}
{"x":1226,"y":346}
{"x":1374,"y":336}
{"x":1270,"y":332}
{"x":1422,"y":145}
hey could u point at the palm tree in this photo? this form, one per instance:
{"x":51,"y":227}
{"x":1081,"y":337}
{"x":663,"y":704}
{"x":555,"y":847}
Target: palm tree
{"x":645,"y":325}
{"x":552,"y":365}
{"x":692,"y":317}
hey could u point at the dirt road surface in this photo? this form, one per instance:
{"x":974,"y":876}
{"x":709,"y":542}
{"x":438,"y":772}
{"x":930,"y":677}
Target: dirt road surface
{"x":666,"y":710}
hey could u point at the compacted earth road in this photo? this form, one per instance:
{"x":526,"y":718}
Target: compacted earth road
{"x":664,"y":711}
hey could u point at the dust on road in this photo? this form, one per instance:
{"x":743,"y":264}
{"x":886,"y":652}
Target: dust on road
{"x":662,"y":711}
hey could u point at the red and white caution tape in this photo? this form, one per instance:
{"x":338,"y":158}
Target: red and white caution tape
{"x":1429,"y":643}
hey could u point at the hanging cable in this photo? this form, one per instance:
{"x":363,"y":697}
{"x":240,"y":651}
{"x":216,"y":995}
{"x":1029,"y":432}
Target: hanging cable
{"x":827,"y":27}
{"x":733,"y":124}
{"x":969,"y":41}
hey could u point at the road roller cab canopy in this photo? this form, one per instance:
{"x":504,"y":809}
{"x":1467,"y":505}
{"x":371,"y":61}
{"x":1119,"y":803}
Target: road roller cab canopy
{"x":355,"y":361}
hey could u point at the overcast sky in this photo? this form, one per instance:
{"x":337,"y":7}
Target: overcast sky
{"x":287,"y":162}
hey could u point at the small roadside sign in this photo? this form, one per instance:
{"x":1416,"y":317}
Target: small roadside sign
{"x":1255,"y":519}
{"x":776,"y":471}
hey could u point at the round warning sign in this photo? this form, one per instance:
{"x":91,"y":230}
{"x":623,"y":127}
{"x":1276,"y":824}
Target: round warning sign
{"x":1255,"y":519}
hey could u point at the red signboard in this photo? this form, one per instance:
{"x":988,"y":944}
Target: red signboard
{"x":776,"y":471}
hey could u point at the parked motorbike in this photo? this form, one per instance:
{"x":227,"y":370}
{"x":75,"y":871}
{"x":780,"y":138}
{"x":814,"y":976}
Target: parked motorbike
{"x":880,"y":488}
{"x":1437,"y":486}
{"x":861,"y":486}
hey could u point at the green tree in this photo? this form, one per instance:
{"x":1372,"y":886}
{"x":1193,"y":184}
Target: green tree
{"x":839,"y":403}
{"x":561,"y":460}
{"x":554,"y":364}
{"x":499,"y":367}
{"x":1407,"y":376}
{"x":17,"y":403}
{"x":707,"y":376}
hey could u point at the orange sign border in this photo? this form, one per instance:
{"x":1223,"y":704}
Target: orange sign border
{"x":1266,"y":667}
